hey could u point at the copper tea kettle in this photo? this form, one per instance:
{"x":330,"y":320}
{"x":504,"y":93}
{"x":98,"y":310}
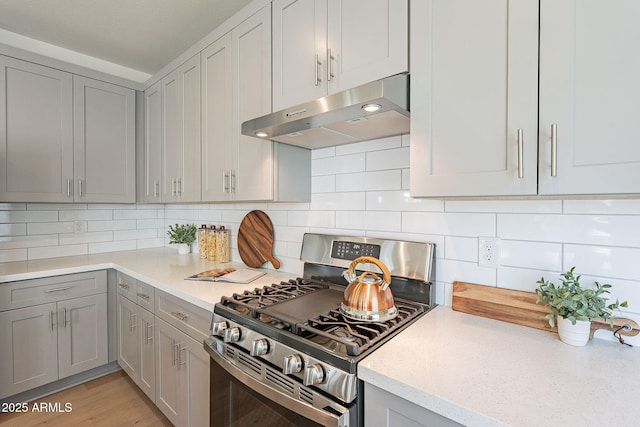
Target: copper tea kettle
{"x":368,"y":298}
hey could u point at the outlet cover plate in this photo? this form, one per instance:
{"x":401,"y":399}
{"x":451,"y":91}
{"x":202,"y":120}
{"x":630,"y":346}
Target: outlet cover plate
{"x":489,"y":252}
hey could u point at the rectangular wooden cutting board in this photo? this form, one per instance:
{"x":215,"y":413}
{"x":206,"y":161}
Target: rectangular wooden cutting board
{"x":518,"y":307}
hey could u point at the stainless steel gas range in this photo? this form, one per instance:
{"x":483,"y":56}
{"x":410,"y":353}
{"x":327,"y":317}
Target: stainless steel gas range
{"x":285,"y":355}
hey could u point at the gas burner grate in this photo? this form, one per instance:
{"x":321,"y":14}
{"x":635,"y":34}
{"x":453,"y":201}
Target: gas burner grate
{"x":247,"y":302}
{"x":352,"y":337}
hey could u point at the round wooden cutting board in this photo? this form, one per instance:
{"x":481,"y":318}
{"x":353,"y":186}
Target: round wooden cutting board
{"x":255,"y":240}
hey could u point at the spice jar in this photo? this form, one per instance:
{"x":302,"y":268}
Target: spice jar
{"x":211,"y":243}
{"x":202,"y":241}
{"x":222,"y":245}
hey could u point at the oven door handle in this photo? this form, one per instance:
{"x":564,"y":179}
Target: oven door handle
{"x":314,"y":414}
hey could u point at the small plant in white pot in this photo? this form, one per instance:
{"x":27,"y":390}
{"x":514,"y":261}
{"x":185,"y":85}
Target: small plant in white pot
{"x":574,"y":307}
{"x":182,"y":235}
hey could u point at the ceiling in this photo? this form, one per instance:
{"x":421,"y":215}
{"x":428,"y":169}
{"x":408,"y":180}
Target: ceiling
{"x":143,"y":35}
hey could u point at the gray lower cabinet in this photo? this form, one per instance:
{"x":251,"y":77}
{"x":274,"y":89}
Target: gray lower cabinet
{"x":55,"y":314}
{"x":160,"y":348}
{"x":383,"y":409}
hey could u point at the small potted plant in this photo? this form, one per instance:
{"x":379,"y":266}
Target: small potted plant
{"x":182,"y":235}
{"x":574,"y":307}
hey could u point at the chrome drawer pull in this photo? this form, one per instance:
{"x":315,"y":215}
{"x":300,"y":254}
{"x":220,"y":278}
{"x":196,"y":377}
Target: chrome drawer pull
{"x":144,"y":296}
{"x":180,"y":316}
{"x":520,"y":166}
{"x":554,"y":147}
{"x":64,"y":288}
{"x":124,"y":286}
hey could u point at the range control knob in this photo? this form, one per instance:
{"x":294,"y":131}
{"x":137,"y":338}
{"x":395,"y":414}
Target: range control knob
{"x":218,"y":328}
{"x":313,"y":374}
{"x":292,"y":364}
{"x":259,"y":347}
{"x":231,"y":335}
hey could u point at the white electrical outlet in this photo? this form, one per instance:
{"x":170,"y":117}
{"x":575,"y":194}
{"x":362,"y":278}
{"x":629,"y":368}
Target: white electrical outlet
{"x":489,"y":252}
{"x":79,"y":226}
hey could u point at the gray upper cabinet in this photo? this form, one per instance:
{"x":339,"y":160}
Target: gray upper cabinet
{"x":153,"y":143}
{"x":474,"y":95}
{"x":104,"y":142}
{"x":589,"y":93}
{"x":181,"y":133}
{"x":36,"y":133}
{"x":63,"y":136}
{"x":478,"y":125}
{"x":322,"y":47}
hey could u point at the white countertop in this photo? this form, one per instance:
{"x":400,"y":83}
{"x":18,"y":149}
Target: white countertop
{"x":483,"y":372}
{"x":159,"y":267}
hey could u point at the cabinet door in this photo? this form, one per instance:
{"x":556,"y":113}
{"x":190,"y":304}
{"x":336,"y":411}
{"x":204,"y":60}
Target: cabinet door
{"x":368,"y":39}
{"x":299,"y":51}
{"x":168,"y":393}
{"x":127,"y":337}
{"x":82,"y":334}
{"x":252,"y":178}
{"x":28,"y":352}
{"x":194,"y":365}
{"x":104,"y":141}
{"x":36,"y":133}
{"x":217,"y":99}
{"x":589,"y":90}
{"x":473,"y":92}
{"x":146,"y":379}
{"x":181,"y":133}
{"x":153,"y":143}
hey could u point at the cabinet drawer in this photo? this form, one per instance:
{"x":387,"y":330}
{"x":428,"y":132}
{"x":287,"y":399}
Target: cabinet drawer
{"x":127,"y":286}
{"x":145,"y":296}
{"x":193,"y":321}
{"x":27,"y":293}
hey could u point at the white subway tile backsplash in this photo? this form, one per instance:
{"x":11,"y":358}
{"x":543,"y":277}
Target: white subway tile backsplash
{"x":461,"y":248}
{"x":350,"y":220}
{"x":13,"y":229}
{"x":128,"y":224}
{"x":321,"y":153}
{"x":388,"y":159}
{"x":369,"y":146}
{"x":602,"y":206}
{"x":523,"y":279}
{"x":13,"y":206}
{"x":57,"y":251}
{"x":121,"y":245}
{"x":338,"y":201}
{"x":87,"y":215}
{"x":19,"y":242}
{"x":338,"y":165}
{"x":614,"y":230}
{"x":323,"y":184}
{"x":49,"y":227}
{"x":406,"y":140}
{"x":534,"y":255}
{"x":368,"y":181}
{"x":605,"y":261}
{"x":504,"y":206}
{"x":150,"y":243}
{"x":622,"y":290}
{"x":405,"y":179}
{"x":450,"y":271}
{"x":98,"y":236}
{"x":55,"y":206}
{"x":452,"y":224}
{"x":135,"y":214}
{"x":312,"y":219}
{"x":400,"y":200}
{"x":28,"y":216}
{"x":134,"y":234}
{"x":10,"y":255}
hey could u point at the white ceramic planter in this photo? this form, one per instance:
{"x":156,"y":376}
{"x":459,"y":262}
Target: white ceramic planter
{"x":577,"y":334}
{"x":183,"y":248}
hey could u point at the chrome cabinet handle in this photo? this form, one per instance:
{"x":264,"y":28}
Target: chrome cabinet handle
{"x":69,"y":187}
{"x":178,"y":186}
{"x":225,"y":181}
{"x":233,"y":181}
{"x":144,"y":296}
{"x":124,"y":286}
{"x":80,"y":187}
{"x":52,"y":320}
{"x":520,"y":166}
{"x":554,"y":146}
{"x":173,"y":186}
{"x":64,"y":320}
{"x":179,"y":315}
{"x":330,"y":58}
{"x":64,"y":288}
{"x":317,"y":66}
{"x":149,"y":332}
{"x":132,"y":321}
{"x":156,"y":188}
{"x":180,"y":350}
{"x":173,"y":353}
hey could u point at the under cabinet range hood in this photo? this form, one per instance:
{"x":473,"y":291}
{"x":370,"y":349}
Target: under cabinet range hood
{"x":374,"y":110}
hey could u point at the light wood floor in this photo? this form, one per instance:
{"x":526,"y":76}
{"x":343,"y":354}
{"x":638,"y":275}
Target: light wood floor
{"x":110,"y":401}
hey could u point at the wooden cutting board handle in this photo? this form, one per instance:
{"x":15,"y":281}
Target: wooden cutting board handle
{"x":255,"y":240}
{"x":631,"y":329}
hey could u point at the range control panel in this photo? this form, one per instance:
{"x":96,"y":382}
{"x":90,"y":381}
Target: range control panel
{"x":341,"y":249}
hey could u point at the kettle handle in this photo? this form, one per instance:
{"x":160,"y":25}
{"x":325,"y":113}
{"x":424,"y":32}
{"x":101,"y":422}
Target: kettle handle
{"x":386,"y":274}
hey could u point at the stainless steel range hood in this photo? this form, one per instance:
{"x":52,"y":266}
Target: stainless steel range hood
{"x":340,"y":118}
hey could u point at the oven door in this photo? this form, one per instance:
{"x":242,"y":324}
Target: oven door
{"x":246,"y":392}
